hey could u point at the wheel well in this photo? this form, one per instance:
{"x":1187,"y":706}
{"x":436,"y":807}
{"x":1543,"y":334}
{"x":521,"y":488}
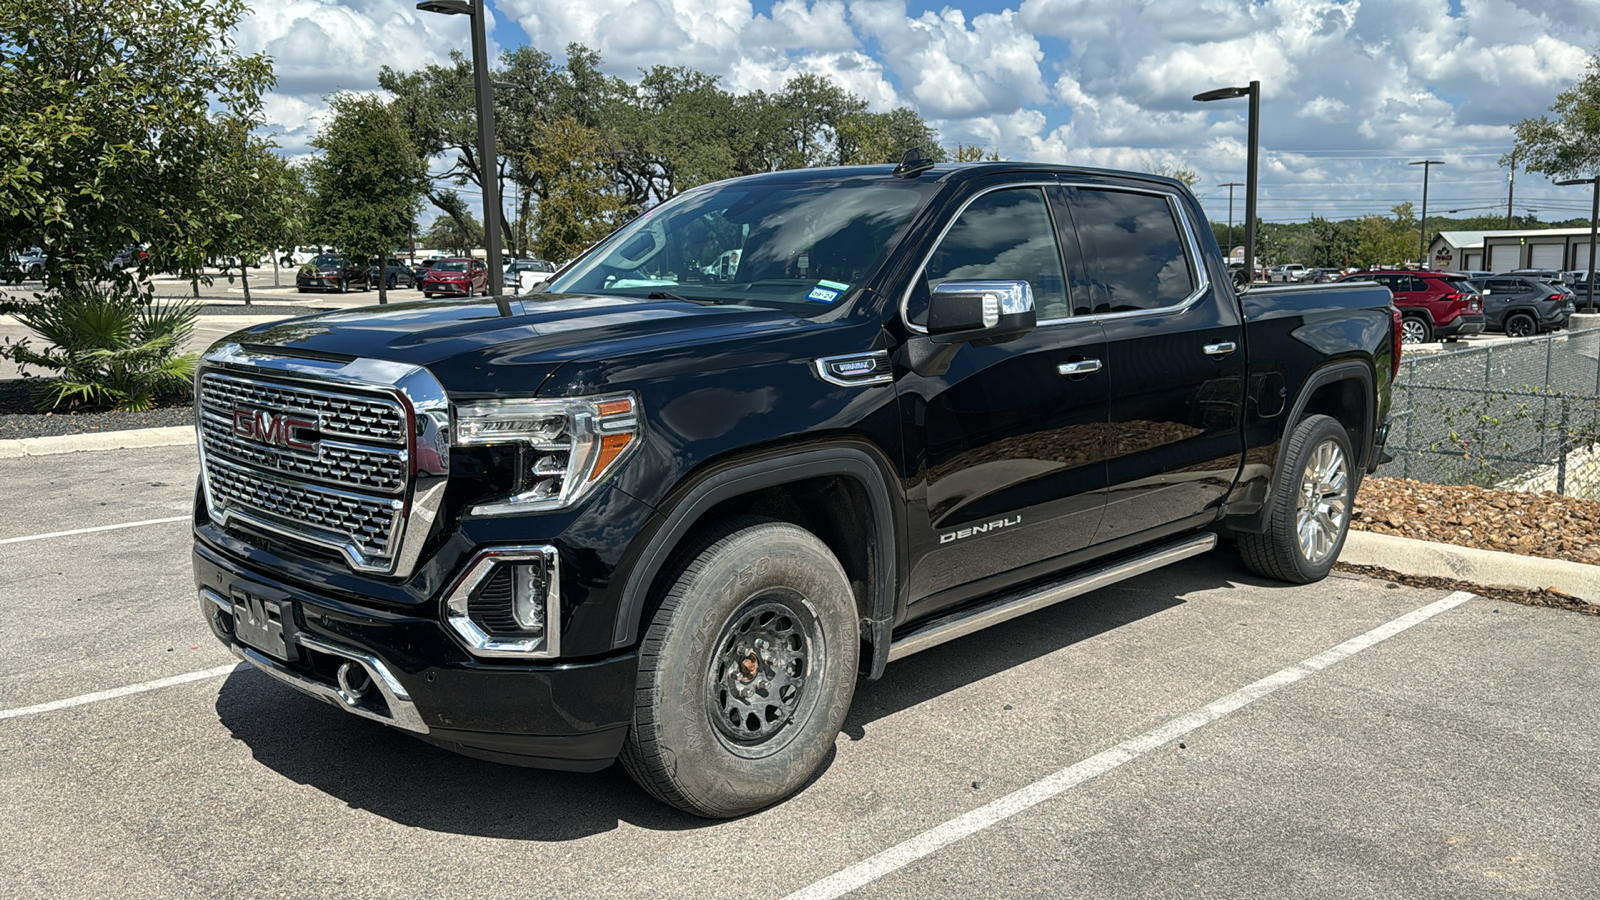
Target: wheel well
{"x":1414,"y":312}
{"x":1344,"y":400}
{"x":835,"y":508}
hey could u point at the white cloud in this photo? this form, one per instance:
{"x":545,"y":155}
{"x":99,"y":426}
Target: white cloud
{"x":1078,"y":81}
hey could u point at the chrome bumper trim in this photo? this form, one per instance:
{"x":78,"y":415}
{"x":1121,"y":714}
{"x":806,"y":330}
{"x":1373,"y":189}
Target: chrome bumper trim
{"x":403,"y":713}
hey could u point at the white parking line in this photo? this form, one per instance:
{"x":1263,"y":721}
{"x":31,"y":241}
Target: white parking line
{"x":114,"y":693}
{"x":913,"y":849}
{"x":56,"y":534}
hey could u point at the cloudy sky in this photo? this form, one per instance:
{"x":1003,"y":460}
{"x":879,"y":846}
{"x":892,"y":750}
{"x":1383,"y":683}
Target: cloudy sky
{"x":1351,"y":91}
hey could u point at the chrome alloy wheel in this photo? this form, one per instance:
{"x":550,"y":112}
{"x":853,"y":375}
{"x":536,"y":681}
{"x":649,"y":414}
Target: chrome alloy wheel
{"x":767,"y":653}
{"x":1413,"y":331}
{"x":1322,"y":509}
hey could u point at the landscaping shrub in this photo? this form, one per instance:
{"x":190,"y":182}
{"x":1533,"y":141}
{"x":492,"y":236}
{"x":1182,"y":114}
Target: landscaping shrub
{"x":110,"y":348}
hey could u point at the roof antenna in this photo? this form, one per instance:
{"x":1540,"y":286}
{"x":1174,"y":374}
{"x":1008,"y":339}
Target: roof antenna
{"x":912,"y":164}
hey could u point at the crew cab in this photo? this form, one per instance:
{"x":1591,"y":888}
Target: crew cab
{"x":669,"y":512}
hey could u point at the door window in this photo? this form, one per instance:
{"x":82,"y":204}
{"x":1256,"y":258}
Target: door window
{"x":1136,"y":254}
{"x":1001,"y":236}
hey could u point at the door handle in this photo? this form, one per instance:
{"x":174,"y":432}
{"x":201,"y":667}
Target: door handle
{"x":1081,"y":367}
{"x":1220,"y":348}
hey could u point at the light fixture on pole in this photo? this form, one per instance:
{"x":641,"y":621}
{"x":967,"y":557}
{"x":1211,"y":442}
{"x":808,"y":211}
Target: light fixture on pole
{"x":1253,"y":147}
{"x":1422,"y":252}
{"x":1594,"y":222}
{"x":1230,"y":186}
{"x":488,"y":165}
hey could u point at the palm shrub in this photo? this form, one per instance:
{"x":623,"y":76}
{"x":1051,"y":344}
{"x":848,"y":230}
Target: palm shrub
{"x":111,"y":349}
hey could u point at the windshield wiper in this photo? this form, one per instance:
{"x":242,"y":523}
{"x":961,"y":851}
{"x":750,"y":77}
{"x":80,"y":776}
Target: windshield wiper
{"x":668,"y":295}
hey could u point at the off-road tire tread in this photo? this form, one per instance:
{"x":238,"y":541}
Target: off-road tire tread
{"x":641,"y":753}
{"x":1275,"y":552}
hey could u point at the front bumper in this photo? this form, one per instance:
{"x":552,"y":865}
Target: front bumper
{"x":1460,"y":326}
{"x":447,"y":287}
{"x":410,"y":673}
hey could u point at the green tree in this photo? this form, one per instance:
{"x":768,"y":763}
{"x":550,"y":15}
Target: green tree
{"x":261,"y":202}
{"x":1381,"y":241}
{"x":105,"y":123}
{"x":1170,"y":170}
{"x":866,"y":138}
{"x":447,"y":235}
{"x":366,"y":180}
{"x":578,"y":207}
{"x":974,"y":153}
{"x":1567,"y":146}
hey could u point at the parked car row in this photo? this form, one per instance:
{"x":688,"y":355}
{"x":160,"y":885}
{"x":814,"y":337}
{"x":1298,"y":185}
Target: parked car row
{"x":1450,"y":305}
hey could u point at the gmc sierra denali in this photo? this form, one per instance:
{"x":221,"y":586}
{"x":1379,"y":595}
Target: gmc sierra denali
{"x":773,"y":434}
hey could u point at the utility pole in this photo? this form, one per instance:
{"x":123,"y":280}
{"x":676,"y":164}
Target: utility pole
{"x":1422,"y":253}
{"x":1228,"y":253}
{"x":1511,"y":190}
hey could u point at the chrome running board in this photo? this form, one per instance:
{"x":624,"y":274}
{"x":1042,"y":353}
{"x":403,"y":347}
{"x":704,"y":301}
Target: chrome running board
{"x":1010,"y":605}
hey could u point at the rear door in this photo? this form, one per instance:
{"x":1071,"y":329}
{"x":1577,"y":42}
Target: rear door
{"x":1006,"y":446}
{"x":1175,"y":359}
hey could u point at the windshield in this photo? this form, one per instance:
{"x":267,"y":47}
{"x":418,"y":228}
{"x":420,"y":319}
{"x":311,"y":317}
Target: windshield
{"x":327,"y":261}
{"x":799,"y":247}
{"x":450,"y":265}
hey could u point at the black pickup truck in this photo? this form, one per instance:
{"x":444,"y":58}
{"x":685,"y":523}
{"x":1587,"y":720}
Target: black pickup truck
{"x":775,"y":433}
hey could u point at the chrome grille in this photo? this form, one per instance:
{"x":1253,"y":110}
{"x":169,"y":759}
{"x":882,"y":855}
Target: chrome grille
{"x":341,"y":413}
{"x":375,"y":468}
{"x":367,"y":523}
{"x":345,"y":482}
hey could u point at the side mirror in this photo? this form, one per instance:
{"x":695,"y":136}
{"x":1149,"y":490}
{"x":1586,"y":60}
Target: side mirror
{"x":989,"y":311}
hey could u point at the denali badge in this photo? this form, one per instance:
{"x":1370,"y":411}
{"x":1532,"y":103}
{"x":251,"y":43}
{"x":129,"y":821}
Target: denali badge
{"x":279,"y":430}
{"x":979,"y":529}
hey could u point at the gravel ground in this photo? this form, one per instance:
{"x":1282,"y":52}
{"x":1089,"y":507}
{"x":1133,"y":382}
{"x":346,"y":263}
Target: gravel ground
{"x":286,"y":310}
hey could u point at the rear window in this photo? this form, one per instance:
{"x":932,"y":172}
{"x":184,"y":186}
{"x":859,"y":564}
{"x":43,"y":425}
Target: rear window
{"x":1134,"y":249}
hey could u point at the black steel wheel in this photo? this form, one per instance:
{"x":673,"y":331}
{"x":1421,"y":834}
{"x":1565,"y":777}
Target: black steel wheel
{"x":746,"y":671}
{"x":1309,"y":513}
{"x":1415,"y":330}
{"x":1521,"y":325}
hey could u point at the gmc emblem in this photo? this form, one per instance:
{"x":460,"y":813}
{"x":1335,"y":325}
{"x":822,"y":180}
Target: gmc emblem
{"x":278,"y":430}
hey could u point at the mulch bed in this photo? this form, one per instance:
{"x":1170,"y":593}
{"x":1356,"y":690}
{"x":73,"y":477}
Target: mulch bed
{"x":1546,"y":525}
{"x":20,"y":418}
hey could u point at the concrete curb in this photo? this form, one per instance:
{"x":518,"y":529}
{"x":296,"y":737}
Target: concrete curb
{"x":130,"y":439}
{"x":1490,"y":568}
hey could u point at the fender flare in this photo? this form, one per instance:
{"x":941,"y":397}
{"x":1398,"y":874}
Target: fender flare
{"x":1349,"y":370}
{"x":746,"y":475}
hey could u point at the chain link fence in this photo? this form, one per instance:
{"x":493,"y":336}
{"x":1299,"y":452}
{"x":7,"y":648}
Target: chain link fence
{"x":1522,"y":415}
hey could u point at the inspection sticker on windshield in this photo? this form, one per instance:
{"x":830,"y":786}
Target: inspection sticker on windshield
{"x":822,"y":295}
{"x":841,"y":288}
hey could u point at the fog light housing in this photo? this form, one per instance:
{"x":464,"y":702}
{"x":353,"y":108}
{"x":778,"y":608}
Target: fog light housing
{"x":507,"y":603}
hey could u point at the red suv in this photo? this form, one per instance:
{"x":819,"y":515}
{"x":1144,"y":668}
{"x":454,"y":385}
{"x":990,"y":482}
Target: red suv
{"x":1432,"y":305}
{"x":456,"y":275}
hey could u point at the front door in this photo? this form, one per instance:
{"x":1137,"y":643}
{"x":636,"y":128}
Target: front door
{"x":1175,"y":360}
{"x":1006,"y":445}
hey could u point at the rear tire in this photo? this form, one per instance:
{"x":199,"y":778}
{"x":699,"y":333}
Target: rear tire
{"x":1415,"y":330}
{"x":1521,"y":325}
{"x":1309,"y":514}
{"x":746,"y":671}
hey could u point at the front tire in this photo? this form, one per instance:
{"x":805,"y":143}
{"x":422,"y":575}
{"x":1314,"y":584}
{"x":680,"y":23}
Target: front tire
{"x":746,"y":672}
{"x":1309,"y":515}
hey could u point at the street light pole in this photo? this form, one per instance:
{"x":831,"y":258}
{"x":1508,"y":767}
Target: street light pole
{"x":1253,"y":148}
{"x":1230,"y":186}
{"x":1594,"y":223}
{"x":488,"y":158}
{"x":1422,"y":240}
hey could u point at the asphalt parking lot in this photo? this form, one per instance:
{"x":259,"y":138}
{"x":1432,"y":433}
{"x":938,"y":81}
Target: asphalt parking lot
{"x":1195,"y":732}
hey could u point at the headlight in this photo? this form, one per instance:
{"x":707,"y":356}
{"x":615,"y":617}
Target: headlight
{"x":567,"y":445}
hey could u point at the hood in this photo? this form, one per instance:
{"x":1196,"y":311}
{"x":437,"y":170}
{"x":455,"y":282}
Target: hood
{"x":469,"y":347}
